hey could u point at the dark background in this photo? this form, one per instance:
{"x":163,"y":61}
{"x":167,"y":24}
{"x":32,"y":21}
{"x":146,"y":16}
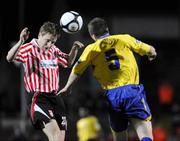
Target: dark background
{"x":153,"y":21}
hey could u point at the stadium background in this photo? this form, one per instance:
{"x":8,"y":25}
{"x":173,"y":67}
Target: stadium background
{"x":154,"y":22}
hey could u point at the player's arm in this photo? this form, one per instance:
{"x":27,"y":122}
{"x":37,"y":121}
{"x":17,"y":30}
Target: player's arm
{"x":73,"y":53}
{"x":71,"y":80}
{"x":24,"y":35}
{"x":141,"y":47}
{"x":78,"y":69}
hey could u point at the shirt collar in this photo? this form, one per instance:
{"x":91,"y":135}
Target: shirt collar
{"x":34,"y":42}
{"x":104,"y":36}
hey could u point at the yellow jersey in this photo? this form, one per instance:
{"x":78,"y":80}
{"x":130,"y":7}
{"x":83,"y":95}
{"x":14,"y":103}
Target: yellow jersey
{"x":88,"y":128}
{"x":112,"y":60}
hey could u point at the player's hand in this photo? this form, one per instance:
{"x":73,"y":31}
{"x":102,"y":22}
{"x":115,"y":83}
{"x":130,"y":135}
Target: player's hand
{"x":63,"y":91}
{"x":151,"y":57}
{"x":152,"y":54}
{"x":24,"y":35}
{"x":78,"y":45}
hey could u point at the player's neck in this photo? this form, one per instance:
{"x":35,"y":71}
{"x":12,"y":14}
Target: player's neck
{"x":104,"y":36}
{"x":41,"y":47}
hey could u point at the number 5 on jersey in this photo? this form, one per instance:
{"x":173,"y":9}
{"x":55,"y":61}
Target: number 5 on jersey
{"x":111,"y":55}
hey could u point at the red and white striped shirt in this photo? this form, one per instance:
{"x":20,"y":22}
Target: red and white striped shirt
{"x":41,"y":68}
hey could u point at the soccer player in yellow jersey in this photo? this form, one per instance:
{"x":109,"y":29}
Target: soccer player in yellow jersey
{"x":115,"y":68}
{"x":88,"y":126}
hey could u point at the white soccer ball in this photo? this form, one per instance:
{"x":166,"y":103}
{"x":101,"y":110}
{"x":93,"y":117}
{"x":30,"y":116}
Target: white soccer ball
{"x":71,"y":22}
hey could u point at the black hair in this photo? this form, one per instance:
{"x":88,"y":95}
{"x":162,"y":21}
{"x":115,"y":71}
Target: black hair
{"x":98,"y":27}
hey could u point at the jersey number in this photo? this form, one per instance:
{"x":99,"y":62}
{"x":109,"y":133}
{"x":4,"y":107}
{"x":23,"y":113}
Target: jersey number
{"x":111,"y":55}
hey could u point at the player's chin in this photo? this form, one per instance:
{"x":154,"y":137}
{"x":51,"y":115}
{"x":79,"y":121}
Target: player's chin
{"x":46,"y":47}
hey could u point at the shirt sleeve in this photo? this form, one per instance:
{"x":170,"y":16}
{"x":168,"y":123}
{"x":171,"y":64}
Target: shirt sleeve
{"x":62,"y":58}
{"x":84,"y":61}
{"x":137,"y":46}
{"x":22,"y":54}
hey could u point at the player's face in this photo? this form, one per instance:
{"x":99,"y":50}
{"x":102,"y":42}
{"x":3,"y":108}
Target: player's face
{"x":45,"y":41}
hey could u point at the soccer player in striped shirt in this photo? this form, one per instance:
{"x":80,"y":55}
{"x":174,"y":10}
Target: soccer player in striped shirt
{"x":115,"y":68}
{"x":41,"y":60}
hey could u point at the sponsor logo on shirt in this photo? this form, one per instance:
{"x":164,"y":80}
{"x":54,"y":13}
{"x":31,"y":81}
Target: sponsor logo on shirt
{"x":48,"y":63}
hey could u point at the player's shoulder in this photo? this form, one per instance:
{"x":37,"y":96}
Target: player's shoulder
{"x":93,"y":117}
{"x":121,"y":36}
{"x":90,"y":46}
{"x":26,"y":46}
{"x":124,"y":37}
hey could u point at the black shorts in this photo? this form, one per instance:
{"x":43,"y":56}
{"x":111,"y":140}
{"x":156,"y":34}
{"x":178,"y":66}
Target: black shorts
{"x":42,"y":107}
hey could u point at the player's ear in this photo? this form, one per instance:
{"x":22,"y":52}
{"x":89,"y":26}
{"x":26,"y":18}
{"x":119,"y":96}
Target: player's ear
{"x":107,"y":29}
{"x":93,"y":37}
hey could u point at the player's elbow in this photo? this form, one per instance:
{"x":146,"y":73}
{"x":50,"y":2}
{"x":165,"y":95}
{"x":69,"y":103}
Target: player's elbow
{"x":9,"y":58}
{"x":70,"y":65}
{"x":70,"y":62}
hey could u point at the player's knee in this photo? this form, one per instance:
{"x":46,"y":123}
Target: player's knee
{"x":146,"y":139}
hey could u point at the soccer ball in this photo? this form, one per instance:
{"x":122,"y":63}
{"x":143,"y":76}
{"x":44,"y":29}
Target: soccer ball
{"x":71,"y":22}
